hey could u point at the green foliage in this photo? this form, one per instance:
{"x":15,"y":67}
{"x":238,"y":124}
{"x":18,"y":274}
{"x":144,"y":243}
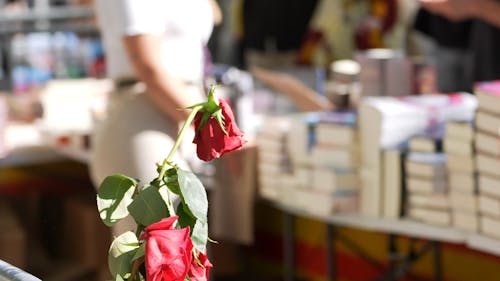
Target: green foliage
{"x":193,"y":209}
{"x":148,"y":206}
{"x":121,"y":254}
{"x":120,"y":196}
{"x":141,"y":251}
{"x":171,"y":181}
{"x":193,"y":194}
{"x":115,"y":194}
{"x":185,"y":218}
{"x":200,"y":235}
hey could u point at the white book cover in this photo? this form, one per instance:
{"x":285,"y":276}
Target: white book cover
{"x":424,"y":144}
{"x":461,"y":182}
{"x":436,"y":217}
{"x":429,"y":201}
{"x":490,"y":226}
{"x":416,"y":114}
{"x":426,"y":165}
{"x":488,"y":95}
{"x":489,"y":185}
{"x":465,"y":220}
{"x":299,"y":140}
{"x":486,"y":143}
{"x":335,"y":157}
{"x":488,"y":123}
{"x":303,"y":174}
{"x":334,"y":134}
{"x":301,"y":136}
{"x":460,"y":163}
{"x":488,"y":165}
{"x":418,"y":185}
{"x":460,"y":147}
{"x":372,"y":196}
{"x":489,"y":206}
{"x":464,"y":202}
{"x":336,"y":128}
{"x":392,"y":187}
{"x":388,"y":122}
{"x":459,"y":130}
{"x":329,"y":180}
{"x":319,"y":203}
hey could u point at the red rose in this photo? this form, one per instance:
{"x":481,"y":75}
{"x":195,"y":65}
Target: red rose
{"x":199,"y":272}
{"x":168,"y":251}
{"x":211,"y":140}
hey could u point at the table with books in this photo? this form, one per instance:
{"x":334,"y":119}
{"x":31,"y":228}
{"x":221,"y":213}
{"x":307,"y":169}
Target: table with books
{"x":424,"y":167}
{"x":349,"y":169}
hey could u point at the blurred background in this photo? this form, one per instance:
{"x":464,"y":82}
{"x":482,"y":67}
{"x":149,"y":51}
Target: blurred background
{"x":293,"y":203}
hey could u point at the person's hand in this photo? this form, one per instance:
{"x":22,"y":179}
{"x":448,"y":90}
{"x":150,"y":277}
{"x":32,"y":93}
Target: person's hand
{"x":455,"y":10}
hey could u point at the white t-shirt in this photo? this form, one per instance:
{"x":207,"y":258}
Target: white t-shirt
{"x":185,"y":25}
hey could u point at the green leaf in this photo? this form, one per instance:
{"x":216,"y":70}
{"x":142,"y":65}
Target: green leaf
{"x":148,"y":207}
{"x":199,"y":229}
{"x":185,"y":218}
{"x":164,"y":194}
{"x":193,"y":194}
{"x":121,"y":253}
{"x":141,"y":251}
{"x":172,"y":181}
{"x":115,"y":194}
{"x":199,"y":235}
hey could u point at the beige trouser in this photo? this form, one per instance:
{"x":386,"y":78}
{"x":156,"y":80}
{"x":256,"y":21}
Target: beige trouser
{"x":135,"y":136}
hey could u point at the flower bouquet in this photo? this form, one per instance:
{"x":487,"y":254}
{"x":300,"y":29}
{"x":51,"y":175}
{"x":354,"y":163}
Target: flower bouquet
{"x":170,"y":241}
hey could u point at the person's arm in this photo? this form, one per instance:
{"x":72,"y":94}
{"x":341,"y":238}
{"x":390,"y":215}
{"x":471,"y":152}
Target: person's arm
{"x":303,"y":97}
{"x":166,"y":91}
{"x":486,"y":10}
{"x":216,"y":12}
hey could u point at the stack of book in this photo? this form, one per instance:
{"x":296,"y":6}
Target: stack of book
{"x":393,"y":183}
{"x":459,"y":148}
{"x":387,"y":123}
{"x":393,"y":176}
{"x":487,"y":156}
{"x":273,"y":162}
{"x":426,"y":185}
{"x":309,"y":161}
{"x":335,"y":159}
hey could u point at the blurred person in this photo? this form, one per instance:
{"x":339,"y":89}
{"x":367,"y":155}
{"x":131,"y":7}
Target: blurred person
{"x":162,"y":45}
{"x":484,"y":40}
{"x":273,"y":31}
{"x":450,"y":51}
